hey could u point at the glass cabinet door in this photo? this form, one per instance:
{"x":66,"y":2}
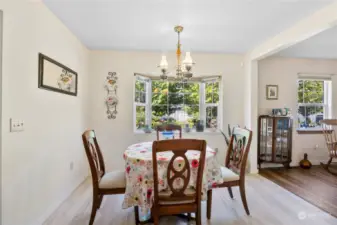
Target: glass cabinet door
{"x":281,"y":139}
{"x":266,"y":139}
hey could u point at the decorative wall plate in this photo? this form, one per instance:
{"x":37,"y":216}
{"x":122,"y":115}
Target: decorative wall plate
{"x":111,"y":99}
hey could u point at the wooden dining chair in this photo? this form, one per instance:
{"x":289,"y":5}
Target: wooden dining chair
{"x":329,"y":132}
{"x":177,"y":199}
{"x":103,"y":183}
{"x":233,"y":173}
{"x":169,"y":127}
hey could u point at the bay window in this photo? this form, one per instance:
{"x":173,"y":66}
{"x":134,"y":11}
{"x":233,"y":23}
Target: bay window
{"x":184,"y":103}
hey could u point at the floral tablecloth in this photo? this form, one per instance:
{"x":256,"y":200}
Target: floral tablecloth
{"x":139,"y":173}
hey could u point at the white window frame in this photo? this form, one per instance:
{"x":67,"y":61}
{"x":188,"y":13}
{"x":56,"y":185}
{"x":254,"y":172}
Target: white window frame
{"x":327,"y":104}
{"x":202,"y":104}
{"x":148,"y":96}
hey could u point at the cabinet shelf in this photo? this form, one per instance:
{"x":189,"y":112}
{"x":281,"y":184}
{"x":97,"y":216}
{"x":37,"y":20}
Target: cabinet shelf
{"x":275,"y":140}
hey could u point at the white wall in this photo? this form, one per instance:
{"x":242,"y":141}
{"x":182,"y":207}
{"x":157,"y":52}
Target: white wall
{"x":36,"y":175}
{"x":283,"y":72}
{"x":115,"y":135}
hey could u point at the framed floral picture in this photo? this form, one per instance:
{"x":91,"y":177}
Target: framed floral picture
{"x":54,"y":76}
{"x":272,"y":92}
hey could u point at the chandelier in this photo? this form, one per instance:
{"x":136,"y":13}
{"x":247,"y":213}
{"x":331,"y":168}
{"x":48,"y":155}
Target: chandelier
{"x":183,"y":68}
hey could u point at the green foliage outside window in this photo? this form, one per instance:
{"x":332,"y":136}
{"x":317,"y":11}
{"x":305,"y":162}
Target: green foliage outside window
{"x":311,"y":100}
{"x":175,"y":102}
{"x":169,"y":98}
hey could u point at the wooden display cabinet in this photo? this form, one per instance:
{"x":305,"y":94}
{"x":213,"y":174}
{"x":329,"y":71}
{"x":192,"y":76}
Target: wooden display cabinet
{"x":275,"y":140}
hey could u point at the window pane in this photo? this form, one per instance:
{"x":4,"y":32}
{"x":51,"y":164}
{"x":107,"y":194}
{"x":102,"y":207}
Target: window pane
{"x":300,"y":91}
{"x":159,"y":114}
{"x":212,"y":92}
{"x":159,"y":99}
{"x":140,"y":85}
{"x":310,"y":116}
{"x":191,"y":88}
{"x":193,"y":114}
{"x":140,"y":111}
{"x":211,"y":116}
{"x":175,"y":99}
{"x":211,"y":111}
{"x":142,"y":96}
{"x":209,"y":88}
{"x":137,"y":97}
{"x":216,"y":87}
{"x":178,"y":113}
{"x":209,"y":98}
{"x":140,"y":117}
{"x":301,"y":117}
{"x":159,"y":87}
{"x":313,"y":91}
{"x":215,"y":98}
{"x":176,"y":87}
{"x":192,"y":99}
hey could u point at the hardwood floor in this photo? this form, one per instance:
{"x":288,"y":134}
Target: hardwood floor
{"x":269,"y":205}
{"x":316,"y":185}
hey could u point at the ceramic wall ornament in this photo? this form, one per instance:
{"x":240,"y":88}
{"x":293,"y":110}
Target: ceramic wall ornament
{"x":111,"y":100}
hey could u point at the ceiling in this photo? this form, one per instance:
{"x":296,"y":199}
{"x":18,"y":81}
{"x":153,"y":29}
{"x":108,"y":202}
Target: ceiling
{"x":323,"y":46}
{"x":231,"y":26}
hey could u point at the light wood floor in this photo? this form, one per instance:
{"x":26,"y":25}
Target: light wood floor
{"x":269,"y":205}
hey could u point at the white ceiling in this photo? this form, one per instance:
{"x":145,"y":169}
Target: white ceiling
{"x":232,"y":26}
{"x":323,"y":46}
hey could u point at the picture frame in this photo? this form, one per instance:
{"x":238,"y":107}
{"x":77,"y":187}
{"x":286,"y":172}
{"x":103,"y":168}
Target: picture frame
{"x":54,"y":76}
{"x":272,"y":92}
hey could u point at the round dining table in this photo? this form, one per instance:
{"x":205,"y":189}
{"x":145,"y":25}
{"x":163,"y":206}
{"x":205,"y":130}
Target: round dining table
{"x":139,"y":173}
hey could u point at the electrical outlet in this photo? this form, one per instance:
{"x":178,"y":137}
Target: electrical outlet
{"x":16,"y":125}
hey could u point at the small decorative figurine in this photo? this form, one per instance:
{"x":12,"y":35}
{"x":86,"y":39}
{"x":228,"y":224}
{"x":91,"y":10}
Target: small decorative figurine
{"x":305,"y":163}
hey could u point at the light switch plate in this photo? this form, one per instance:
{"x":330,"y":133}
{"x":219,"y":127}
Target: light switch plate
{"x":17,"y":125}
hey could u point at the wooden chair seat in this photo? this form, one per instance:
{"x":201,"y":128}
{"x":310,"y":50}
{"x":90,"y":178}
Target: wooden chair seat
{"x":166,"y":199}
{"x":228,"y":175}
{"x":115,"y":179}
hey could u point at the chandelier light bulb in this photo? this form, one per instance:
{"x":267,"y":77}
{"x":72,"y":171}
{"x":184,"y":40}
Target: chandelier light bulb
{"x":188,"y":59}
{"x":163,"y":63}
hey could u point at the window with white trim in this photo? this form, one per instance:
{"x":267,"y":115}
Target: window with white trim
{"x":157,"y":102}
{"x":314,"y":101}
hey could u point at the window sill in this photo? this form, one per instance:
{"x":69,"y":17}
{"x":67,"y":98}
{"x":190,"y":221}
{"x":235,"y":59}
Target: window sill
{"x":205,"y":132}
{"x":311,"y":131}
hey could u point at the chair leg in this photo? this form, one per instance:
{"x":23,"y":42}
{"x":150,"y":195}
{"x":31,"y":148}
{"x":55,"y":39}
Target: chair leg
{"x":100,"y":201}
{"x":136,"y":215}
{"x":243,"y":197}
{"x":209,"y":204}
{"x":95,"y":203}
{"x":155,"y":219}
{"x":198,"y":215}
{"x":230,"y":192}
